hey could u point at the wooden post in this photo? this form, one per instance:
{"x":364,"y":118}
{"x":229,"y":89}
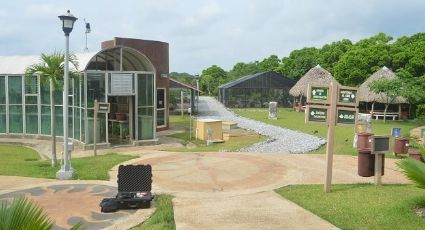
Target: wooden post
{"x":331,"y":135}
{"x":378,"y":169}
{"x":94,"y":127}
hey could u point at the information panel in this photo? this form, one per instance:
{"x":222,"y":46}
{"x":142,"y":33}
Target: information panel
{"x":122,"y":84}
{"x":317,"y":114}
{"x":346,"y":116}
{"x":347,"y":96}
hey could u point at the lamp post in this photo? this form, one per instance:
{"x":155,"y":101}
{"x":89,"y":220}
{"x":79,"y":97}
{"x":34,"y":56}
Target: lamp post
{"x":66,"y":172}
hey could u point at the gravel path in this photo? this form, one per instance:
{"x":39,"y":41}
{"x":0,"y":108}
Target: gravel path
{"x":281,"y":139}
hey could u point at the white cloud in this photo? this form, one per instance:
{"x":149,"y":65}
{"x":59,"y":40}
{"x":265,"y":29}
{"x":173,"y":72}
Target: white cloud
{"x":203,"y":33}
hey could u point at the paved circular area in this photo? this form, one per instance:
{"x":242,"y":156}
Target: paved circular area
{"x":206,"y":172}
{"x":68,"y":204}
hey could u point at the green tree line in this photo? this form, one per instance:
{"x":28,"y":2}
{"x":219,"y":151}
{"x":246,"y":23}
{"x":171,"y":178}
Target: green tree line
{"x":350,"y":63}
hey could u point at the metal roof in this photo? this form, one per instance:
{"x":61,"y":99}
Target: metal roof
{"x":18,"y":64}
{"x":177,"y":84}
{"x":249,"y":77}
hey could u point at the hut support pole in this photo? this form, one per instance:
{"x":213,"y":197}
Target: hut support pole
{"x":331,"y":136}
{"x":373,"y":108}
{"x":399,"y":111}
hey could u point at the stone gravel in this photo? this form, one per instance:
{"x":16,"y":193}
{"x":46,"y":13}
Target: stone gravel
{"x":280,"y":140}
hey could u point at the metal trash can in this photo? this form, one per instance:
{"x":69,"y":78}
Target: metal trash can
{"x":364,"y":141}
{"x":366,"y":163}
{"x":401,"y":145}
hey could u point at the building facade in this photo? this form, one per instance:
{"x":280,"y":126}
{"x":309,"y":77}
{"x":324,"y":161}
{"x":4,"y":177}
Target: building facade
{"x":129,"y":74}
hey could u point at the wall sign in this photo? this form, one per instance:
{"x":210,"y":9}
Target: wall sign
{"x":121,"y":84}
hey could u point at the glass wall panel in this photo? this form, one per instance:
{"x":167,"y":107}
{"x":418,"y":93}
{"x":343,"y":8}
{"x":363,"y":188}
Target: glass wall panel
{"x":31,"y":120}
{"x":2,"y":104}
{"x":15,"y":89}
{"x":45,"y":120}
{"x":2,"y":90}
{"x":59,"y":120}
{"x":95,"y":88}
{"x":45,"y":93}
{"x":2,"y":119}
{"x":15,"y":119}
{"x":100,"y":127}
{"x":58,"y":97}
{"x":145,"y":123}
{"x":77,"y":124}
{"x":83,"y":124}
{"x":145,"y":106}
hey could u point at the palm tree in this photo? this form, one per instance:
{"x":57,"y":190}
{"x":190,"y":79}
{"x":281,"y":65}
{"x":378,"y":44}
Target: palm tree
{"x":51,"y":69}
{"x":23,"y":214}
{"x":414,"y":170}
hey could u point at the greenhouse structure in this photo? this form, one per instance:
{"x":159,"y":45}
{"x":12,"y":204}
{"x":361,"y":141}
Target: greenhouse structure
{"x":256,"y":90}
{"x":131,"y":75}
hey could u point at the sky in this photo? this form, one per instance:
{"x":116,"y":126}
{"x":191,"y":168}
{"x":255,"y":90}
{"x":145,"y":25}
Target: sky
{"x":202,"y":33}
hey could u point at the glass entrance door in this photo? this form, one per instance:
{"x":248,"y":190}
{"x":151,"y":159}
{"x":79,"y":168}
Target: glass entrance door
{"x":120,"y":120}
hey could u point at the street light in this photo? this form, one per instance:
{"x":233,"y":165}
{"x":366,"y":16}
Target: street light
{"x":66,"y":172}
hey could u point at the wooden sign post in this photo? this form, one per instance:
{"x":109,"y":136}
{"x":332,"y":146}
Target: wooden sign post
{"x":331,"y":136}
{"x":99,"y":107}
{"x":332,"y":105}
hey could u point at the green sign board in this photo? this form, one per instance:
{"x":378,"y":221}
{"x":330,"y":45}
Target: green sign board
{"x":422,"y":133}
{"x":348,"y":96}
{"x":319,"y":93}
{"x":317,"y":114}
{"x":346,"y":117}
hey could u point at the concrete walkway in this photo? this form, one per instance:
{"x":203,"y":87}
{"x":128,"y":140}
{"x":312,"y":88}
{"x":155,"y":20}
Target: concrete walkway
{"x":212,"y":190}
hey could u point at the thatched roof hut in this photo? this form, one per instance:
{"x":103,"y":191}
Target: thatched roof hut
{"x":316,"y":75}
{"x":365,"y":94}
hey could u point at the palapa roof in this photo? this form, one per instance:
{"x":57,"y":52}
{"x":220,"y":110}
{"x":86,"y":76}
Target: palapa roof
{"x":316,"y":75}
{"x":365,"y":94}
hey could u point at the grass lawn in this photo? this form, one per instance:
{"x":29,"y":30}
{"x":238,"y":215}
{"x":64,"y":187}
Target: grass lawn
{"x":176,"y":121}
{"x":23,"y":161}
{"x":290,"y":119}
{"x":361,"y":206}
{"x":162,"y":218}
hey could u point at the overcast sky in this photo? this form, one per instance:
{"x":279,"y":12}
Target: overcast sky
{"x":202,"y":33}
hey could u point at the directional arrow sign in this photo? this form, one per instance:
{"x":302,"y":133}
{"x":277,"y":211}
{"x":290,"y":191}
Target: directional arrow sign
{"x":319,"y":93}
{"x":346,"y":116}
{"x":347,"y":96}
{"x":317,"y":114}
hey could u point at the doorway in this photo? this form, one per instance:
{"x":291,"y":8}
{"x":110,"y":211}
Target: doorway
{"x":121,"y":120}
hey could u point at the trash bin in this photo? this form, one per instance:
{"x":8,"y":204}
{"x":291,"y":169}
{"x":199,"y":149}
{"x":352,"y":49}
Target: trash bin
{"x":366,"y":163}
{"x":401,"y":145}
{"x":364,"y":141}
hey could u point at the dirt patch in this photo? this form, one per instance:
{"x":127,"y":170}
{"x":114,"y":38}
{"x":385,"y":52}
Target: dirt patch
{"x":420,"y":211}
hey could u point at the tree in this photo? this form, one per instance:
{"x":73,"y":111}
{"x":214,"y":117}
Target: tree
{"x":241,"y":69}
{"x":269,"y":64}
{"x":414,"y":169}
{"x":330,"y":54}
{"x":24,"y":214}
{"x":299,"y":62}
{"x":51,"y":70}
{"x":211,"y":78}
{"x":364,"y":58}
{"x":389,"y":90}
